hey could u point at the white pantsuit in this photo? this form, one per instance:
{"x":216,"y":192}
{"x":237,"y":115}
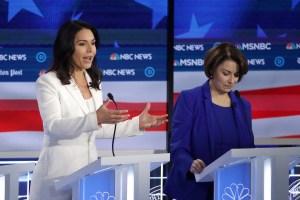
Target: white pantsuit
{"x":70,"y":130}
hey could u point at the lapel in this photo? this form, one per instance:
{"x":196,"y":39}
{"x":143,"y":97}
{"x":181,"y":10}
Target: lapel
{"x":76,"y":94}
{"x":211,"y":128}
{"x":96,"y":95}
{"x":241,"y":121}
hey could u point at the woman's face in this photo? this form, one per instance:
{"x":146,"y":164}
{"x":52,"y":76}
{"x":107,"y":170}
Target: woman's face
{"x":85,"y":49}
{"x":225,"y":77}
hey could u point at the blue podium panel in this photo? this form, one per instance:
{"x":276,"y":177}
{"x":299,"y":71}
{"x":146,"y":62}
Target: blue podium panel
{"x":233,"y":182}
{"x":100,"y":185}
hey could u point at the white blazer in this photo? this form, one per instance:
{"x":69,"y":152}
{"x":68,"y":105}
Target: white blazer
{"x":70,"y":130}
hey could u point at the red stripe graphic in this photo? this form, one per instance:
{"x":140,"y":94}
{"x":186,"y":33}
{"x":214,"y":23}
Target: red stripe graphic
{"x":289,"y":136}
{"x":274,"y":102}
{"x":23,"y":115}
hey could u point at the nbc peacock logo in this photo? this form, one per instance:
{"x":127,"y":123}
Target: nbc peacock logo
{"x":42,"y":72}
{"x":290,"y":46}
{"x":176,"y":63}
{"x":102,"y":196}
{"x":238,"y":46}
{"x":114,"y":56}
{"x":236,"y":192}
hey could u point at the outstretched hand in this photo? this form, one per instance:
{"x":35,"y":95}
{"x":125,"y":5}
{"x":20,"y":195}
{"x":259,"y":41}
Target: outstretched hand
{"x":149,"y":121}
{"x":107,"y":116}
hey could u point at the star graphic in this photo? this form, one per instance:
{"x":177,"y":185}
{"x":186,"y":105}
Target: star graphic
{"x":76,"y":16}
{"x":15,"y":6}
{"x":261,"y":33}
{"x":195,"y":31}
{"x":294,"y":3}
{"x":159,"y":9}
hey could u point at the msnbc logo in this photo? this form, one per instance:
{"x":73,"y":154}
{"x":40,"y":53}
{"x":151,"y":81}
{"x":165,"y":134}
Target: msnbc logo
{"x":114,"y":56}
{"x":253,"y":46}
{"x":188,"y":62}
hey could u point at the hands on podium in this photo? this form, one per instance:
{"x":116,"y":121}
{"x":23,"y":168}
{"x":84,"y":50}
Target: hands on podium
{"x":197,"y":166}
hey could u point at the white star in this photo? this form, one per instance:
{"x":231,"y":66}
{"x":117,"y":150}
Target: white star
{"x":195,"y":31}
{"x":15,"y":6}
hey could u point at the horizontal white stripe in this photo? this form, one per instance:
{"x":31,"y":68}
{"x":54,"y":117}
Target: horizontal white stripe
{"x":276,"y":127}
{"x":188,"y":80}
{"x":269,"y":79}
{"x":133,"y":91}
{"x":17,"y":90}
{"x":252,"y":81}
{"x":137,"y":91}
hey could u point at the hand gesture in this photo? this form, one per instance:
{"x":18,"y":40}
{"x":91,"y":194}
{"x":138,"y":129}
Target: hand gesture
{"x":197,"y":166}
{"x":107,"y":116}
{"x":148,"y":121}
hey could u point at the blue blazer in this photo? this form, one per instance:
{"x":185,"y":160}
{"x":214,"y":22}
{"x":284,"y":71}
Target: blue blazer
{"x":193,"y":135}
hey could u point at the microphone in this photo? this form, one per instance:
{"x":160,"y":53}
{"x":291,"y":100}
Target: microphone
{"x":111,"y":97}
{"x":237,"y":93}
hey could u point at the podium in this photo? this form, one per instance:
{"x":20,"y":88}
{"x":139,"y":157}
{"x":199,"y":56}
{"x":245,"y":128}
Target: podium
{"x":11,"y":173}
{"x":265,"y":169}
{"x":126,"y":177}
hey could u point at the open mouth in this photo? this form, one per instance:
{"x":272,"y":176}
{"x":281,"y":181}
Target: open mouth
{"x":88,"y":59}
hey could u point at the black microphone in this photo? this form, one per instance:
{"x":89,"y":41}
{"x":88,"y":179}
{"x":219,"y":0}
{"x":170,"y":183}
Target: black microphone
{"x":111,"y":97}
{"x":237,"y":93}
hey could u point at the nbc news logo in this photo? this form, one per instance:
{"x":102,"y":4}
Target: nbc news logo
{"x":131,"y":56}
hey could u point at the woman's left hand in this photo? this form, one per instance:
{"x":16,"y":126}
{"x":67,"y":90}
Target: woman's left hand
{"x":149,"y":121}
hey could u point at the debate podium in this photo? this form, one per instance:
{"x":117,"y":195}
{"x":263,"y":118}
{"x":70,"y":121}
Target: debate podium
{"x":255,"y":173}
{"x":117,"y":178}
{"x":12,"y":173}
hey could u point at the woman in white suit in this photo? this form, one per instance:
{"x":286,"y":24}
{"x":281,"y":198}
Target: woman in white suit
{"x":71,"y":106}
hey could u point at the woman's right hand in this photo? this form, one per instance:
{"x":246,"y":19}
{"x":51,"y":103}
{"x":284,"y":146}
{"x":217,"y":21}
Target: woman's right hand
{"x":107,"y":116}
{"x":197,"y":166}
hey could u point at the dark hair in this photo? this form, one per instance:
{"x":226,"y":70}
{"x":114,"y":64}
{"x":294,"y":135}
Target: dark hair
{"x":222,"y":52}
{"x":64,"y":48}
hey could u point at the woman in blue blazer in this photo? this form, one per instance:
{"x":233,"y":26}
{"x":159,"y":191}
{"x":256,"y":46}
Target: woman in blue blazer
{"x":208,"y":121}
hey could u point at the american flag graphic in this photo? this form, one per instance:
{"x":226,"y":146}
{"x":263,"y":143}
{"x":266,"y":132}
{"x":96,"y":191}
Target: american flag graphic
{"x":28,"y":28}
{"x":21,"y":124}
{"x":274,"y":97}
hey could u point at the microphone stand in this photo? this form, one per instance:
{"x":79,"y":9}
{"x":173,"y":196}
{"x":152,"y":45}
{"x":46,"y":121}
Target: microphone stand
{"x":111,"y":97}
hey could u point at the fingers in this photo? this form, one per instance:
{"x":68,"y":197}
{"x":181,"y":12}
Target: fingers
{"x":161,"y":117}
{"x":117,"y":116}
{"x":158,"y":123}
{"x":107,"y":116}
{"x":105,"y":104}
{"x":147,"y":108}
{"x":197,"y":166}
